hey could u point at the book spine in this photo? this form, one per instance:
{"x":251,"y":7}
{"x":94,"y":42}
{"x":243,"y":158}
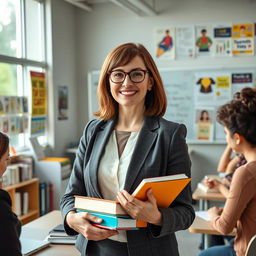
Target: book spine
{"x":110,"y":221}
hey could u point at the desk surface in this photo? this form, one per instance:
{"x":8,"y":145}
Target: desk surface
{"x":47,"y":222}
{"x":204,"y":227}
{"x":211,"y":196}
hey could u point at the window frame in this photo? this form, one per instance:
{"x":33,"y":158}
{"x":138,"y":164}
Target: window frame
{"x":25,"y":62}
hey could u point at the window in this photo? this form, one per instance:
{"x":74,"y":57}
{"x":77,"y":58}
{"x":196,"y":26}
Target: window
{"x":22,"y":49}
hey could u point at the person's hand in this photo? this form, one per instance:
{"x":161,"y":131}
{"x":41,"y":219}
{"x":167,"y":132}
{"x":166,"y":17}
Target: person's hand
{"x":214,"y":212}
{"x":141,"y":210}
{"x":81,"y":222}
{"x":211,"y":183}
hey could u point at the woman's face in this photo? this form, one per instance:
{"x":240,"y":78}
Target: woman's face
{"x":4,"y":160}
{"x":129,"y":93}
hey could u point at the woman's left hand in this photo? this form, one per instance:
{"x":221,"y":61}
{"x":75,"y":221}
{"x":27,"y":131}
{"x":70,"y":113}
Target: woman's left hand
{"x":141,"y":210}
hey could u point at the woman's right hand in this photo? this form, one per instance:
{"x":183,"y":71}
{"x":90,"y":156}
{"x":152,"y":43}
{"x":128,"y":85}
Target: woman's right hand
{"x":81,"y":222}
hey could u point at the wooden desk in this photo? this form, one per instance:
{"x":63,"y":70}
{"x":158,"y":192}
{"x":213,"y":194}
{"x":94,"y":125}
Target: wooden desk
{"x":204,"y":227}
{"x":205,"y":197}
{"x":46,"y":223}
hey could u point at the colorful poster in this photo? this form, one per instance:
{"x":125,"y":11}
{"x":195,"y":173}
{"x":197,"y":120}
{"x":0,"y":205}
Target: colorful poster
{"x":185,"y":47}
{"x":222,"y":40}
{"x":38,"y":125}
{"x":212,"y":88}
{"x":204,"y":124}
{"x":38,"y":93}
{"x":222,"y":88}
{"x":62,"y":102}
{"x":204,"y":89}
{"x":165,"y":43}
{"x":241,"y":80}
{"x":243,"y":39}
{"x":204,"y":40}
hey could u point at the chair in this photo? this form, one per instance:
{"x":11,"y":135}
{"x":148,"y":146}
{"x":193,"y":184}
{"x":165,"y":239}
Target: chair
{"x":251,"y":248}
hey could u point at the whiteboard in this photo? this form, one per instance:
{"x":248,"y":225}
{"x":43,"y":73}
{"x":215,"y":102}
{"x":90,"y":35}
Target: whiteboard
{"x":179,"y":85}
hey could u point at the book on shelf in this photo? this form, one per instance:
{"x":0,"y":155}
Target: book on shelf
{"x":115,"y":222}
{"x":204,"y":188}
{"x":165,"y":188}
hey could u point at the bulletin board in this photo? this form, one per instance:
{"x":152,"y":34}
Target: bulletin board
{"x":181,"y":86}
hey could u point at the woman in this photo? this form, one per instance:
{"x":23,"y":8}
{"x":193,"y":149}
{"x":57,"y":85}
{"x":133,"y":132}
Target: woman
{"x":10,"y":226}
{"x":239,"y":120}
{"x":130,"y":141}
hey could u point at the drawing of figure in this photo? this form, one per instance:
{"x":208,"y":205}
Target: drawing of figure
{"x":165,"y":45}
{"x":203,"y":42}
{"x":206,"y":84}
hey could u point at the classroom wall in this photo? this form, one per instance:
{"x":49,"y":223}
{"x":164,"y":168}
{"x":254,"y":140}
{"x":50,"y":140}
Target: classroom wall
{"x":108,"y":26}
{"x":63,"y":66}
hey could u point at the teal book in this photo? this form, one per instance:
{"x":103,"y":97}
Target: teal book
{"x":113,"y":222}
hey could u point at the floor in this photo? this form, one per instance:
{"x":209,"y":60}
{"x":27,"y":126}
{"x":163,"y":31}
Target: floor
{"x":188,"y":243}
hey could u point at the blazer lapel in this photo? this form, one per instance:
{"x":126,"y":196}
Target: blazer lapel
{"x":145,"y":141}
{"x":97,"y":151}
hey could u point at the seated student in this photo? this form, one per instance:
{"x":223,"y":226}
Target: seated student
{"x":239,"y":120}
{"x":10,"y":226}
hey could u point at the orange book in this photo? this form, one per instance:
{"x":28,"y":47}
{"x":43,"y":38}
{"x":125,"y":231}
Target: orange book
{"x":165,"y":188}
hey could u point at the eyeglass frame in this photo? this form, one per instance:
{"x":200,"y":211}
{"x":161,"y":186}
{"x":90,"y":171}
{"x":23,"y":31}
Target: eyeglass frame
{"x":128,"y":73}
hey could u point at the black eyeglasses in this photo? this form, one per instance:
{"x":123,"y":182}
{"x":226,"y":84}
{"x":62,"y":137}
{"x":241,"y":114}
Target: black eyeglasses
{"x":136,"y":76}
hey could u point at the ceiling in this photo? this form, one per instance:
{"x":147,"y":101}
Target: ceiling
{"x":138,"y":7}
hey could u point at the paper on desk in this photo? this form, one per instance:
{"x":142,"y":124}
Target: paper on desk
{"x":203,"y":214}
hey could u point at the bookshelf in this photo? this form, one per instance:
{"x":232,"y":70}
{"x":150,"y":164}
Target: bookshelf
{"x":31,"y":186}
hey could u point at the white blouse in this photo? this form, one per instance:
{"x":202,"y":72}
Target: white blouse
{"x":112,"y":171}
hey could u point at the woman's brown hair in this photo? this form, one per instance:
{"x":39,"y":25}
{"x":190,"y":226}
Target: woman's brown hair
{"x":155,"y":101}
{"x":4,"y":143}
{"x":239,"y":115}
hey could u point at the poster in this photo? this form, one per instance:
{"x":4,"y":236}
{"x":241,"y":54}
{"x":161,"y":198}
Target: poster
{"x":38,"y":93}
{"x":241,"y":80}
{"x":204,"y":40}
{"x":243,"y":39}
{"x":62,"y":103}
{"x":212,"y":88}
{"x":165,"y":43}
{"x":38,"y":125}
{"x":204,"y":124}
{"x":185,"y":47}
{"x":222,"y":41}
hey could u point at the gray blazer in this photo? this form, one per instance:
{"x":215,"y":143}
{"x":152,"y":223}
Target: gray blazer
{"x":160,"y":150}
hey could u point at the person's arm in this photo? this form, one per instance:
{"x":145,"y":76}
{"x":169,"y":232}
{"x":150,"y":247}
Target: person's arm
{"x":10,"y":229}
{"x":239,"y":195}
{"x":75,"y":223}
{"x":224,"y":159}
{"x":232,"y":165}
{"x":180,"y":214}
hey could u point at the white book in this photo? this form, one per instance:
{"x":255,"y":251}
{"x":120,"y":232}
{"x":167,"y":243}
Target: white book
{"x":25,"y":205}
{"x":18,"y":203}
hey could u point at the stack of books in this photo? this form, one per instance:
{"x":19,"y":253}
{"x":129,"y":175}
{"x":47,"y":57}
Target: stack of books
{"x":114,"y":217}
{"x":58,"y":236}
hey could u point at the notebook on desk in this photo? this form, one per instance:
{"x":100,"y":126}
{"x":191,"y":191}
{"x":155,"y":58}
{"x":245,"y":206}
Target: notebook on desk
{"x":30,"y":246}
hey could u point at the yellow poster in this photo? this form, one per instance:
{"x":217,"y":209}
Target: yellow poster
{"x":204,"y":131}
{"x":243,"y":39}
{"x":38,"y":85}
